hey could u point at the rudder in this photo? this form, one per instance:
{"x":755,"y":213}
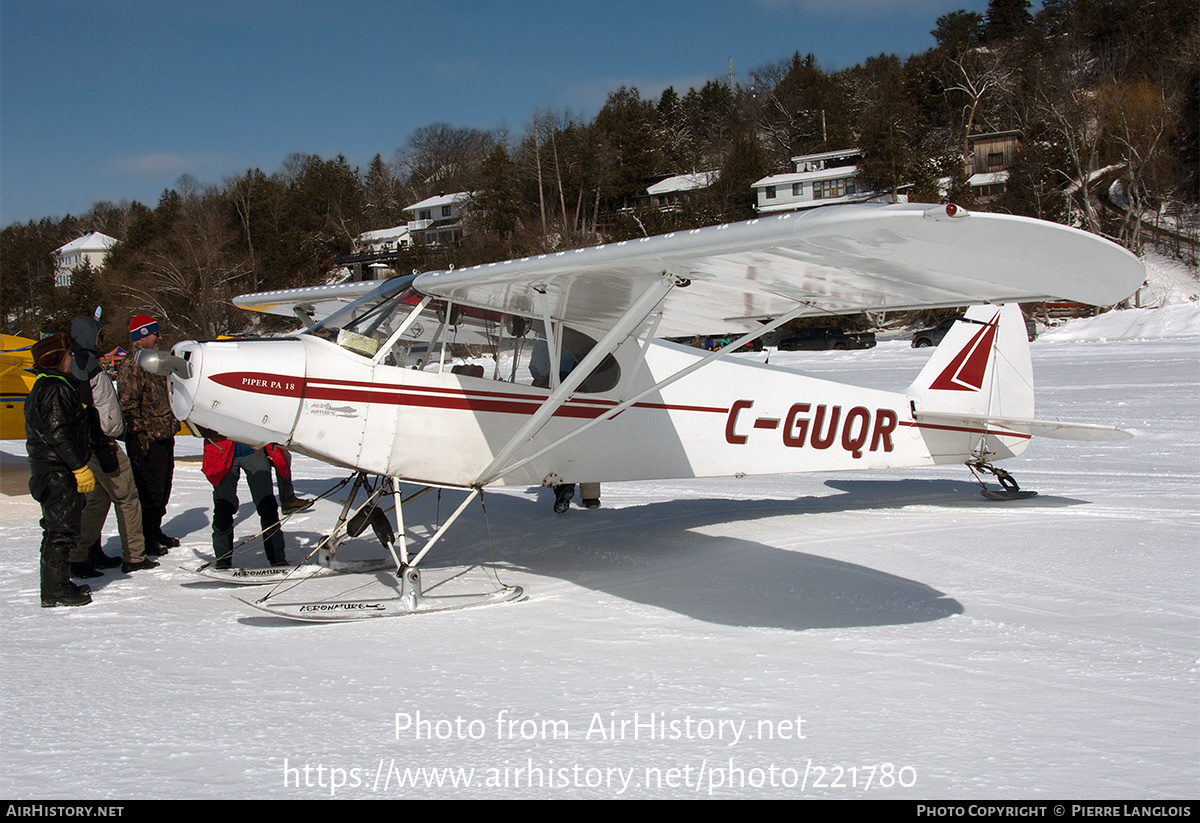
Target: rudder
{"x":982,"y":369}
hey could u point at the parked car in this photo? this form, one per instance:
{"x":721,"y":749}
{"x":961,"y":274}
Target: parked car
{"x":932,"y":336}
{"x":823,"y":338}
{"x":925,"y":338}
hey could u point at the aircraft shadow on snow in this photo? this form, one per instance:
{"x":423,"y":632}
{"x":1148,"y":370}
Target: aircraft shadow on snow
{"x":652,"y":554}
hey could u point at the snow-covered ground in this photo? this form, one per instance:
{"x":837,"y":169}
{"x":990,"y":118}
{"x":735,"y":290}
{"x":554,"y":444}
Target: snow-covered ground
{"x":876,"y":634}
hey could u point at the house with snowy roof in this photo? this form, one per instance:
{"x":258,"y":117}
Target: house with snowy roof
{"x":819,"y":180}
{"x":383,"y":240}
{"x":438,"y":220}
{"x":672,"y":192}
{"x":374,"y":253}
{"x":91,"y":248}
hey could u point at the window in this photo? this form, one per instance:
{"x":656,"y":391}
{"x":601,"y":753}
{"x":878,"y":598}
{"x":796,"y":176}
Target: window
{"x":770,"y":192}
{"x":797,"y":189}
{"x":426,"y":214}
{"x":445,"y":211}
{"x":829,"y":188}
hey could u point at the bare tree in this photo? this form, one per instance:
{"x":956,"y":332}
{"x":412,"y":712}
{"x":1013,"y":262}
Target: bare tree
{"x":980,"y":74}
{"x":186,"y":275}
{"x":441,"y":157}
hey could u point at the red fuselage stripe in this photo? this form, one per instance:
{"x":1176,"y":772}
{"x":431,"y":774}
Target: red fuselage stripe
{"x":355,"y":391}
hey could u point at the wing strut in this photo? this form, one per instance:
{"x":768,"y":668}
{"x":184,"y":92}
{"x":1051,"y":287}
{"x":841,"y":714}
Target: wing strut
{"x":633,"y":317}
{"x":490,"y":474}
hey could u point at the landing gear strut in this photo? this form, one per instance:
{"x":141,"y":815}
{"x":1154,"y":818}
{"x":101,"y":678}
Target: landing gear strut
{"x":410,"y":597}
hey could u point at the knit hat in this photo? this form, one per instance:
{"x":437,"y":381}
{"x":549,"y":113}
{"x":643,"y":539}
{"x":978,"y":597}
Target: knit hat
{"x":142,"y":326}
{"x":47,"y":352}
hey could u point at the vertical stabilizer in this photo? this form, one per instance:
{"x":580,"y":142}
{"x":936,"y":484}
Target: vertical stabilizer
{"x":982,"y":366}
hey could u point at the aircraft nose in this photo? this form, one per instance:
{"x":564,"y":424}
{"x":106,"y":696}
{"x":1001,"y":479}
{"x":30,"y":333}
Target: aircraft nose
{"x":247,"y":390}
{"x":181,"y":388}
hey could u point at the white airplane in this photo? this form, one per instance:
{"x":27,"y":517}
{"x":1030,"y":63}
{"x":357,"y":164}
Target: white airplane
{"x":636,"y":407}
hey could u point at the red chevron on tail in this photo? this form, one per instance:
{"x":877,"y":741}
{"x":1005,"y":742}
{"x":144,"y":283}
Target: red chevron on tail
{"x":966,"y":370}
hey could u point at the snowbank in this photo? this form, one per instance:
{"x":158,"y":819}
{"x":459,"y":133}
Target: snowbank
{"x":1168,"y":322}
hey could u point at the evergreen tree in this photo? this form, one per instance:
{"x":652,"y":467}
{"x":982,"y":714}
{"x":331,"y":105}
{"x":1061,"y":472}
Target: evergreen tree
{"x":1007,"y":19}
{"x":382,"y":206}
{"x":888,"y":137}
{"x":959,"y":30}
{"x":628,"y":126}
{"x":498,"y":203}
{"x":745,"y":163}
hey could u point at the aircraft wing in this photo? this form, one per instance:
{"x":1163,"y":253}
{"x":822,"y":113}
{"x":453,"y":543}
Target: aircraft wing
{"x":317,"y":302}
{"x":836,"y":260}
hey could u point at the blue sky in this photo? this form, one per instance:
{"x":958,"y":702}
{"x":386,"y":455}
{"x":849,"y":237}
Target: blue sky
{"x":115,"y":100}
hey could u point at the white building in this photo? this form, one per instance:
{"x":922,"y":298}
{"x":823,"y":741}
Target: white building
{"x":91,"y":248}
{"x":438,"y":220}
{"x":819,"y":180}
{"x":373,"y":255}
{"x":383,"y":240}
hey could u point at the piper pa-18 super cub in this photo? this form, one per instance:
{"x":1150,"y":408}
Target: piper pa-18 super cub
{"x":635,"y":406}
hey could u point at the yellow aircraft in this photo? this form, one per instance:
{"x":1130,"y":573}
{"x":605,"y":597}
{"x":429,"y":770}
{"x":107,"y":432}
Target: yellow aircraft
{"x":15,"y":383}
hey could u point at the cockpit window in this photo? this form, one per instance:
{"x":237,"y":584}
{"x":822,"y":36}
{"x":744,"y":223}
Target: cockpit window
{"x":368,"y":323}
{"x":364,"y":325}
{"x":604,"y":376}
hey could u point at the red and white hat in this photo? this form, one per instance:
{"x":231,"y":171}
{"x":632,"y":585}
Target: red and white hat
{"x":142,"y":326}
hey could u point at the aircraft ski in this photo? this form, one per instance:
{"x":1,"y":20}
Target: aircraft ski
{"x":411,"y":600}
{"x":626,"y":404}
{"x":267,"y":575}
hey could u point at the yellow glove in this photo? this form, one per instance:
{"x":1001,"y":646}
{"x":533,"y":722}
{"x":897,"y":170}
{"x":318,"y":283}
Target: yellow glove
{"x":85,"y":481}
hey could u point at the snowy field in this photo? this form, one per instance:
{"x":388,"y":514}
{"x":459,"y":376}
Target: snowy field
{"x":865,"y":635}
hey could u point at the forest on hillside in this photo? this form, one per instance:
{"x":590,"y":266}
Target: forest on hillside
{"x":1100,"y":90}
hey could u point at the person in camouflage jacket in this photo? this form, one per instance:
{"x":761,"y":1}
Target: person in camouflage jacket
{"x":150,"y":429}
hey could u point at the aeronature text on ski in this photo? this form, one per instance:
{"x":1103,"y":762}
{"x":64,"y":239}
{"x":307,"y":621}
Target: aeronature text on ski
{"x":627,"y":404}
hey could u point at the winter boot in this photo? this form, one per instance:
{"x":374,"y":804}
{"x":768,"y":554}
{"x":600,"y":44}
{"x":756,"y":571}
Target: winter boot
{"x":562,"y":497}
{"x":99,"y":560}
{"x":84,"y":571}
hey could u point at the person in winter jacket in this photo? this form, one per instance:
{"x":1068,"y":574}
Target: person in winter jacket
{"x":224,"y":461}
{"x":150,"y":429}
{"x":56,"y":442}
{"x":110,"y":465}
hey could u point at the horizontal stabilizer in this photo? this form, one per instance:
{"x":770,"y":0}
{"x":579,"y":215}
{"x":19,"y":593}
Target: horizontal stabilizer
{"x":1056,"y":429}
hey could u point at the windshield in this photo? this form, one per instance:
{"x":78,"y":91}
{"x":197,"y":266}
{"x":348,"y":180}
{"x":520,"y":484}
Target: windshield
{"x":375,"y":315}
{"x":365,"y":325}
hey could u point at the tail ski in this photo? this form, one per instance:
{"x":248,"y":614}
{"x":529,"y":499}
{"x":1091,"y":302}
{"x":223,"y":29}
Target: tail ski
{"x":979,"y":384}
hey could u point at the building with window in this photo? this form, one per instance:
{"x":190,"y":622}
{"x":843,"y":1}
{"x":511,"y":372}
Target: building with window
{"x":383,"y":240}
{"x":819,"y":180}
{"x":438,"y":220}
{"x":671,"y":193}
{"x":374,"y":253}
{"x":987,"y":166}
{"x":91,"y":248}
